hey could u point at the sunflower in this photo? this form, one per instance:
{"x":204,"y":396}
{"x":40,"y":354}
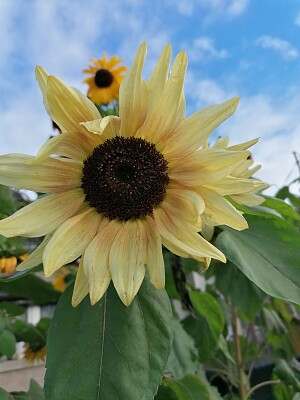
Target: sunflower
{"x":121,"y":187}
{"x":105,"y":81}
{"x":8,"y":265}
{"x":34,"y":352}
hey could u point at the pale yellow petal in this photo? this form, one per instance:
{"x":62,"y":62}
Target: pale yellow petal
{"x":127,"y":260}
{"x":157,"y":81}
{"x":42,"y":216}
{"x":231,"y":185}
{"x":68,"y":106}
{"x":36,"y":257}
{"x":221,"y":142}
{"x":52,"y":175}
{"x":168,"y":112}
{"x":218,"y":211}
{"x":244,"y":145}
{"x":189,"y":242}
{"x":70,"y":240}
{"x":75,"y":145}
{"x":42,"y":78}
{"x":96,"y":259}
{"x":107,"y":127}
{"x":81,"y":287}
{"x":155,"y":260}
{"x":195,"y":130}
{"x":205,"y":166}
{"x":133,"y":95}
{"x":248,"y":199}
{"x":184,"y":207}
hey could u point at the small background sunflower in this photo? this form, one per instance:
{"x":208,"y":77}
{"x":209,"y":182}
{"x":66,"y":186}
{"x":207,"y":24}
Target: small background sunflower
{"x":106,"y":77}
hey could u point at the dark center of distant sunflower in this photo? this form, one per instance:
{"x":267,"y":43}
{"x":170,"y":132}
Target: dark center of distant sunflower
{"x":125,"y":178}
{"x":103,"y":78}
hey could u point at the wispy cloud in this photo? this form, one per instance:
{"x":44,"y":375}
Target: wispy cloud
{"x":204,"y":47}
{"x":297,"y":19}
{"x":283,"y":47}
{"x":217,"y":8}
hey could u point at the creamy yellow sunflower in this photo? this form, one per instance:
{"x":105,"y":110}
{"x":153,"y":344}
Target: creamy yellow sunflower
{"x":105,"y":81}
{"x":121,"y":187}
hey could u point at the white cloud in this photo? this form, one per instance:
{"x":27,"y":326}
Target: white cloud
{"x":275,"y":121}
{"x":284,"y":48}
{"x":297,"y":19}
{"x":203,"y":47}
{"x":216,"y":8}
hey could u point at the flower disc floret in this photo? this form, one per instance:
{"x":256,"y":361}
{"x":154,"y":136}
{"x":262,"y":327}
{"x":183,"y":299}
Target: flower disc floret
{"x":125,"y":178}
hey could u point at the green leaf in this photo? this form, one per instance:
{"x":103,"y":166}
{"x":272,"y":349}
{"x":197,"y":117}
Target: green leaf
{"x":236,"y":287}
{"x":2,"y":323}
{"x":19,"y":274}
{"x":183,"y":358}
{"x":188,"y":388}
{"x":4,"y":395}
{"x":31,"y":287}
{"x":268,"y":253}
{"x":287,"y":212}
{"x":109,"y":351}
{"x":7,"y":201}
{"x":11,"y":309}
{"x":286,"y":374}
{"x":208,"y":325}
{"x":7,"y":343}
{"x":36,"y":391}
{"x":27,"y":332}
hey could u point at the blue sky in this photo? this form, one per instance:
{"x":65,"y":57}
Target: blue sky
{"x":249,"y":48}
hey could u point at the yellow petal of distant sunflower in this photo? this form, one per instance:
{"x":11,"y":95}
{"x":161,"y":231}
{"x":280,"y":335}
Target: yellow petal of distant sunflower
{"x":70,"y":240}
{"x":42,"y":78}
{"x":81,"y":287}
{"x":36,"y":257}
{"x":169,"y":109}
{"x":96,"y":259}
{"x":42,"y":216}
{"x":127,"y":260}
{"x":218,"y":211}
{"x":52,"y":175}
{"x":132,"y":96}
{"x":155,"y":260}
{"x":189,"y":242}
{"x":192,"y":132}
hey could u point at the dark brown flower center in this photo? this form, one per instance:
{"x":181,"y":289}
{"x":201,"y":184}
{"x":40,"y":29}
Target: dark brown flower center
{"x":125,"y":178}
{"x":103,"y":78}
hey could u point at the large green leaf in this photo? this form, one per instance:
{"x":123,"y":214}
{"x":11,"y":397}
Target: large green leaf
{"x":109,"y":351}
{"x":206,"y":326}
{"x":268,"y":253}
{"x":4,"y":395}
{"x":183,"y":358}
{"x":188,"y":388}
{"x":236,"y":287}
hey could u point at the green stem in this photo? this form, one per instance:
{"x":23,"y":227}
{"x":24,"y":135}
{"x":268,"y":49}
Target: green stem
{"x":259,"y":385}
{"x":238,"y":355}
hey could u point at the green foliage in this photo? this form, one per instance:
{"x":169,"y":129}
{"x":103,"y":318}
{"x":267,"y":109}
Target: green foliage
{"x":7,"y":343}
{"x":269,"y":248}
{"x":109,"y":351}
{"x":35,"y":392}
{"x":31,"y":287}
{"x":207,"y":324}
{"x":190,"y":387}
